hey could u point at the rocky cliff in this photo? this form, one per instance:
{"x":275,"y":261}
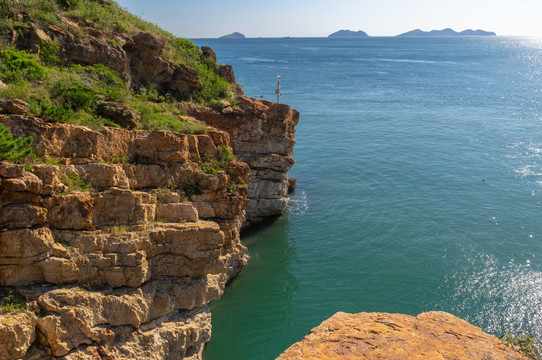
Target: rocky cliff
{"x":113,"y":239}
{"x":432,"y":335}
{"x":262,"y":135}
{"x":118,"y":248}
{"x":262,"y":132}
{"x":119,"y":240}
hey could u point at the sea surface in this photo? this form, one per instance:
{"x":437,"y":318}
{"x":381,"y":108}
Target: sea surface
{"x":419,"y":172}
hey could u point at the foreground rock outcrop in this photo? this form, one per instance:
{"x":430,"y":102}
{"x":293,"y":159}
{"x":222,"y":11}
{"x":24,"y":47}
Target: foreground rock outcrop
{"x":117,"y":242}
{"x":432,"y":335}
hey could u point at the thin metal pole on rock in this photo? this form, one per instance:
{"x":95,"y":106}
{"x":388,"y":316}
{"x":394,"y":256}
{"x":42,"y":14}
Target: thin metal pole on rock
{"x":277,"y":90}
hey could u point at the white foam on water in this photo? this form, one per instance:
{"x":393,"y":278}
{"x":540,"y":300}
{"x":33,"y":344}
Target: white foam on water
{"x":254,"y":60}
{"x":298,"y":204}
{"x":413,"y":61}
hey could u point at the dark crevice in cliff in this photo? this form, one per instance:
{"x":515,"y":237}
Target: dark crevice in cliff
{"x":268,"y":221}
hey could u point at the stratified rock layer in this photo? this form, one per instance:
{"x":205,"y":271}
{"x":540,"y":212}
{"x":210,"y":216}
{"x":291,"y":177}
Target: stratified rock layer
{"x":262,"y":135}
{"x":126,"y":268}
{"x":262,"y":132}
{"x":432,"y":335}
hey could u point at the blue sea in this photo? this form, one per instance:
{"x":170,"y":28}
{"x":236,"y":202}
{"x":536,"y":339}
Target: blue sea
{"x":419,"y":172}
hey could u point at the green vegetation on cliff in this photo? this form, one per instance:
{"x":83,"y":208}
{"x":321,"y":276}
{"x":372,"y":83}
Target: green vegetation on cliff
{"x":213,"y":164}
{"x":523,"y":342}
{"x":66,"y":57}
{"x":13,"y":148}
{"x":11,"y":302}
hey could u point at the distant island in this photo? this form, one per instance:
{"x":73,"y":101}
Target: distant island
{"x":446,"y":32}
{"x":349,"y":34}
{"x":235,"y":35}
{"x":414,"y":33}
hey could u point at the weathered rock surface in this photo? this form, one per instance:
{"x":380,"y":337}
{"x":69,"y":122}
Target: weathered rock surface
{"x":17,"y":333}
{"x":262,"y":135}
{"x":146,"y":66}
{"x":432,"y":335}
{"x":13,"y":106}
{"x":226,"y":71}
{"x":126,"y":269}
{"x":137,"y":58}
{"x":208,"y":52}
{"x":119,"y":113}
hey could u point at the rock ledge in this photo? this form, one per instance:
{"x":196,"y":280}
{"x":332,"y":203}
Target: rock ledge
{"x":431,"y":335}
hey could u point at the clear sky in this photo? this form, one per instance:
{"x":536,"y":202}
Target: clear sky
{"x":308,"y":18}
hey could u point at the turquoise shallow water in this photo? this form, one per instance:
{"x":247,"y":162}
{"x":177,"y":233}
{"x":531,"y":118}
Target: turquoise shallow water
{"x":419,"y":167}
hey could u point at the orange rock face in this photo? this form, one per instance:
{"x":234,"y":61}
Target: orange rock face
{"x":124,"y":268}
{"x":432,"y":335}
{"x":262,"y":134}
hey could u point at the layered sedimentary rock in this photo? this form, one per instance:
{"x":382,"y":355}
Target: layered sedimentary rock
{"x":432,"y":335}
{"x":262,"y":135}
{"x":118,"y":241}
{"x":262,"y":132}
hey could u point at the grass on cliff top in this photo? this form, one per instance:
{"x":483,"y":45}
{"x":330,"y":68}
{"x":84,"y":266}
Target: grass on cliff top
{"x":115,"y":22}
{"x":525,"y":343}
{"x":72,"y":93}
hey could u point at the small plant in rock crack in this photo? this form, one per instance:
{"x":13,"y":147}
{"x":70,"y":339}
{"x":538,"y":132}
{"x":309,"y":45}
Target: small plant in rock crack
{"x":213,"y":164}
{"x":191,"y":189}
{"x":12,"y":303}
{"x":74,"y":183}
{"x":524,"y":342}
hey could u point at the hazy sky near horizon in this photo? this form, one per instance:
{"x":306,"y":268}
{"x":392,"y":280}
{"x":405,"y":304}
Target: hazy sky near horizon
{"x":319,"y":18}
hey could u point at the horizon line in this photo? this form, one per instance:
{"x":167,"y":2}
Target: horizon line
{"x":364,"y":37}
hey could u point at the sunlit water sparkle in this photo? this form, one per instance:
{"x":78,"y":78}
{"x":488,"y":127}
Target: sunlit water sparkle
{"x":419,"y":181}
